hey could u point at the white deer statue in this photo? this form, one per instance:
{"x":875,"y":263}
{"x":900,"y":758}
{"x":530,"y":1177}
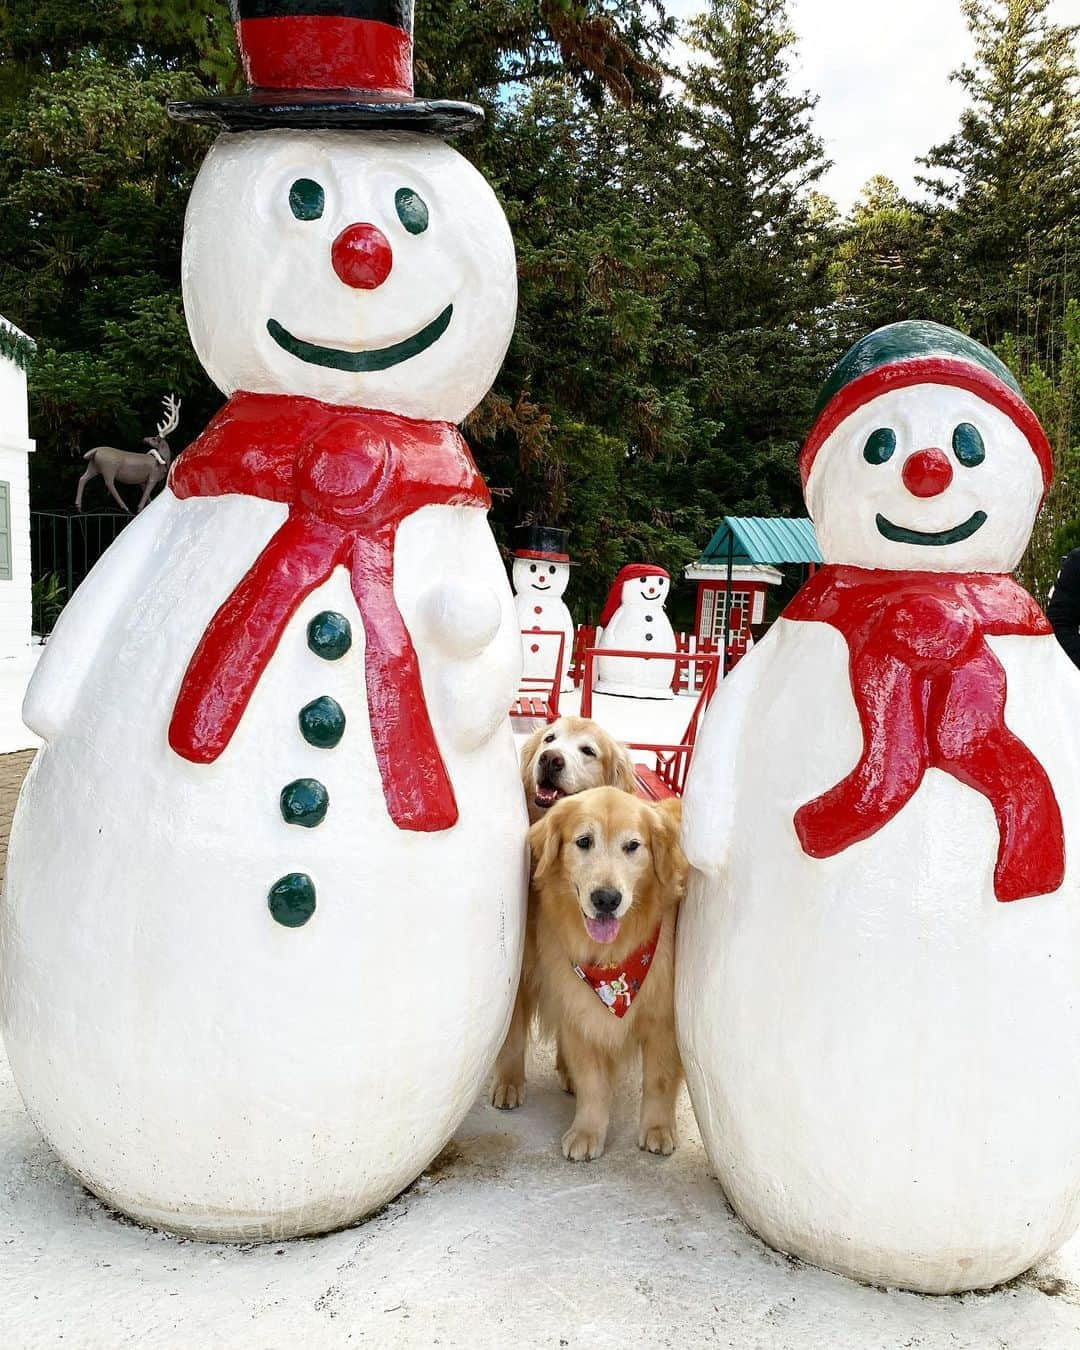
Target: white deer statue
{"x":133,"y":466}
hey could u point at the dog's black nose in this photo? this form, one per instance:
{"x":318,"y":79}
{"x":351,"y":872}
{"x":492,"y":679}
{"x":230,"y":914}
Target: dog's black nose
{"x":605,"y":901}
{"x":552,"y":761}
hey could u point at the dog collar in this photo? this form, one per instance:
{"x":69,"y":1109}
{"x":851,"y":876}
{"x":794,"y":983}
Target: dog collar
{"x":617,"y":986}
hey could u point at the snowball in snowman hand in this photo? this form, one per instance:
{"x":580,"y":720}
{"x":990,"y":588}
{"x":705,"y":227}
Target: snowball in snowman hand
{"x":540,"y":575}
{"x":252,"y":983}
{"x":870,"y":1034}
{"x":634,"y":619}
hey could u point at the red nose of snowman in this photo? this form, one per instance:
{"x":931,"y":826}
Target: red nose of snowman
{"x":362,"y":257}
{"x":927,"y":473}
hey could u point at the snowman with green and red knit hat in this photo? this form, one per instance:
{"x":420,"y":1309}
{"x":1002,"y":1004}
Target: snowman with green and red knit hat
{"x":265,"y":895}
{"x":880,"y":952}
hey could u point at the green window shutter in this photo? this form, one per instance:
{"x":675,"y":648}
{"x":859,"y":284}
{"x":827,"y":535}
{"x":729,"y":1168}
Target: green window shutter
{"x":5,"y":531}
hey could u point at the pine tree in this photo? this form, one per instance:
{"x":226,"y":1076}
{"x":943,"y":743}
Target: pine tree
{"x":751,"y":162}
{"x":1009,"y":177}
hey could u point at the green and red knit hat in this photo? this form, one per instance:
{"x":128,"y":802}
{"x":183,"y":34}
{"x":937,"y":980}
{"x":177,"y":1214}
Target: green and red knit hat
{"x":919,"y":352}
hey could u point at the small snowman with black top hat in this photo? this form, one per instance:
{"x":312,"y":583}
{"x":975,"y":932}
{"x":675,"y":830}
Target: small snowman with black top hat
{"x":540,"y":576}
{"x":265,"y":896}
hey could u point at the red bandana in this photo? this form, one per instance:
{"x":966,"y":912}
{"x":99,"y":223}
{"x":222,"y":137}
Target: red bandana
{"x":349,"y":476}
{"x":617,"y":986}
{"x":931,"y":694}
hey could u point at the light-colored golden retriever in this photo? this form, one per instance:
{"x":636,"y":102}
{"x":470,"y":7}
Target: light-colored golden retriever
{"x":569,"y":756}
{"x":608,"y":875}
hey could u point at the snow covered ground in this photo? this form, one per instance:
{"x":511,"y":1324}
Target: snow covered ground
{"x":500,"y":1243}
{"x":15,"y":674}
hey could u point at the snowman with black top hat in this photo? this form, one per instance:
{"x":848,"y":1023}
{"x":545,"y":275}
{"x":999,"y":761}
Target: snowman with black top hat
{"x":540,"y":575}
{"x":263,"y":918}
{"x":879,"y":958}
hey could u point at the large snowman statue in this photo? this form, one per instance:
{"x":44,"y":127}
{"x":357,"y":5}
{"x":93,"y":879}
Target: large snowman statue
{"x":634,"y":619}
{"x":540,"y":575}
{"x":879,"y":979}
{"x":263,"y":919}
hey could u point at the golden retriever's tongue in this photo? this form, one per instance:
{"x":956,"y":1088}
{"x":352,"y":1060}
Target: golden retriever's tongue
{"x":603,"y":930}
{"x":547,"y":796}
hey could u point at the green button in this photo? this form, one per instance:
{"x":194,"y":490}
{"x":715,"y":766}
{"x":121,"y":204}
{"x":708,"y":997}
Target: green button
{"x":304,"y":802}
{"x":329,"y":635}
{"x":322,"y":722}
{"x":292,"y":900}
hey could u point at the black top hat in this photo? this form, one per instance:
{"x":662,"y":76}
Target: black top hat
{"x":324,"y":64}
{"x":544,"y":542}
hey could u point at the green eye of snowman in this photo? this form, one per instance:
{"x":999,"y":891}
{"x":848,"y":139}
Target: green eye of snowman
{"x":967,"y":444}
{"x":880,"y":445}
{"x":307,"y":200}
{"x":412,"y":210}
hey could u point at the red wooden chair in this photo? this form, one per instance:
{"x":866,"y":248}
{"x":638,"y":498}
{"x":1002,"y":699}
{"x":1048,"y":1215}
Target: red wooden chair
{"x":671,"y":763}
{"x":538,"y":697}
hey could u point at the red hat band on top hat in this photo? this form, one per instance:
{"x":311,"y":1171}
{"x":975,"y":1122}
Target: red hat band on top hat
{"x":327,"y":44}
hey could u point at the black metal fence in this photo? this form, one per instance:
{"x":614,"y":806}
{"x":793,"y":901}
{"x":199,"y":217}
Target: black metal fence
{"x":63,"y":548}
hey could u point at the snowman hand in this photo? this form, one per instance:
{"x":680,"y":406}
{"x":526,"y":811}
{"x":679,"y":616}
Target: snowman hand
{"x":473,"y":685}
{"x":461,"y":621}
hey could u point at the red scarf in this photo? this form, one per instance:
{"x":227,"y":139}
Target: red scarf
{"x":617,"y":986}
{"x":349,"y":476}
{"x":931,"y":694}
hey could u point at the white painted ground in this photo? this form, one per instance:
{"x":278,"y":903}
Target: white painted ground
{"x":15,"y":672}
{"x":501,"y":1243}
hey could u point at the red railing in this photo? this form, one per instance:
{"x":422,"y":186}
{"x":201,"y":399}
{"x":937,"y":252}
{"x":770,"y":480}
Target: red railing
{"x":538,"y":696}
{"x":672,"y":761}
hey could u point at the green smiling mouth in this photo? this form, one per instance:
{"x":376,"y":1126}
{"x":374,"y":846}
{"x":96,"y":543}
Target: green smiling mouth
{"x":379,"y":358}
{"x":899,"y":535}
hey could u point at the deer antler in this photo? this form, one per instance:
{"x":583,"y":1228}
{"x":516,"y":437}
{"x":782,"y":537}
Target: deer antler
{"x":172,"y":416}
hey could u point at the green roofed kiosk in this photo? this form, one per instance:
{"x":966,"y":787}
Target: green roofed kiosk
{"x":739,"y":563}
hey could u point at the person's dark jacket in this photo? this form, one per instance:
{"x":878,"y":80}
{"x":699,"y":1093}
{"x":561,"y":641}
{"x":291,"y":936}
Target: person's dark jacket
{"x":1063,"y":611}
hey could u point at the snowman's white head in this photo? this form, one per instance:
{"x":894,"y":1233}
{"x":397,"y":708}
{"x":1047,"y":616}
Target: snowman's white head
{"x":649,"y":592}
{"x":373,"y":269}
{"x":538,"y":577}
{"x":941,"y":468}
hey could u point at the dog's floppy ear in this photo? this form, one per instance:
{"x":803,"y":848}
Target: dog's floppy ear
{"x":623,"y":776}
{"x":669,"y":863}
{"x":545,"y":839}
{"x":529,"y":749}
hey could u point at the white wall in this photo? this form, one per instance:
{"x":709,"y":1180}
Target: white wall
{"x":15,"y":448}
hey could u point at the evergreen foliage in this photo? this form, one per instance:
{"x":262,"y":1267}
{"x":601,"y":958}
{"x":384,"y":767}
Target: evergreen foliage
{"x":684,"y":285}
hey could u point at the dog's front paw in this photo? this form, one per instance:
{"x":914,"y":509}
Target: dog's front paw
{"x":657,"y":1139}
{"x":580,"y":1145}
{"x":507,"y":1096}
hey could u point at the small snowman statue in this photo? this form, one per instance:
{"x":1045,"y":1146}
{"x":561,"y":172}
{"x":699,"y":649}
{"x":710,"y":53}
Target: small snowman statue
{"x":878,"y":1002}
{"x":541,"y":574}
{"x":264,"y":908}
{"x":633,"y":619}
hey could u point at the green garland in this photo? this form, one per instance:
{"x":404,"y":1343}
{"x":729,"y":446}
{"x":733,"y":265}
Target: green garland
{"x":16,"y":346}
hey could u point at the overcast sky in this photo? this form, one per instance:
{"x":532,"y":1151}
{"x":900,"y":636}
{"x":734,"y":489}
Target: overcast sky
{"x":881,"y":68}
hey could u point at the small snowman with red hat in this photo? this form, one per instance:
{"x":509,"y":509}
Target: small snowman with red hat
{"x":634,"y":619}
{"x":265,"y":894}
{"x":540,"y":576}
{"x":879,"y":968}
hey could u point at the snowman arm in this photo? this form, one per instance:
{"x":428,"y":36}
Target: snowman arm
{"x":709,"y":801}
{"x":82,"y":627}
{"x":476,"y":630}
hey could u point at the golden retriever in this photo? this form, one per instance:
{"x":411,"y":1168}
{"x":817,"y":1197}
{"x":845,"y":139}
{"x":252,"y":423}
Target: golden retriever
{"x":569,"y":756}
{"x":608,"y":876}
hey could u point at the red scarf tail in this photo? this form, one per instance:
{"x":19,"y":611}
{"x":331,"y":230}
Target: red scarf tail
{"x":890,"y":768}
{"x":243,"y":634}
{"x":969,"y":739}
{"x":416,"y":785}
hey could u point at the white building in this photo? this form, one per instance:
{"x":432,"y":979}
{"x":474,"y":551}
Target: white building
{"x":16,"y":447}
